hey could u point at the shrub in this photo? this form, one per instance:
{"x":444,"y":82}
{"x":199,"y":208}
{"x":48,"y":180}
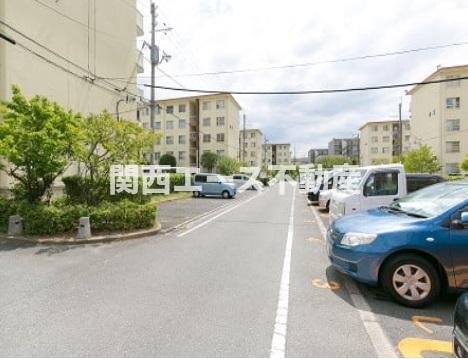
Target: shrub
{"x":7,"y":208}
{"x":123,"y":215}
{"x":176,"y":179}
{"x":168,"y":159}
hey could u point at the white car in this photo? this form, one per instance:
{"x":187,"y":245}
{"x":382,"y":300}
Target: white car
{"x":324,"y":198}
{"x":243,"y":182}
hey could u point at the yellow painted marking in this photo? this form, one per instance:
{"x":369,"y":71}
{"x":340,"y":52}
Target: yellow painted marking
{"x":414,"y":347}
{"x":417,"y":319}
{"x":325,"y":285}
{"x":313,"y":239}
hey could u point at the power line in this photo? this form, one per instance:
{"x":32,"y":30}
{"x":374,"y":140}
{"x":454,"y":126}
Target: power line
{"x":321,"y":62}
{"x":310,"y":92}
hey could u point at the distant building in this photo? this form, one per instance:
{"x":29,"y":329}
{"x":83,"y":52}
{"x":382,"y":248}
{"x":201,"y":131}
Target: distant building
{"x":191,"y":126}
{"x":315,"y":153}
{"x":276,"y":154}
{"x":251,"y":152}
{"x":439,"y":116}
{"x":380,"y":141}
{"x":348,"y":147}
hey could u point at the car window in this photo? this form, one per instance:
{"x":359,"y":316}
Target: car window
{"x":237,"y":177}
{"x":434,"y":200}
{"x":200,"y":178}
{"x":381,"y":184}
{"x":212,"y":179}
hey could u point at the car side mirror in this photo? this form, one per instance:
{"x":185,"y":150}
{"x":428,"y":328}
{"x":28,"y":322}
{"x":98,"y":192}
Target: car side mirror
{"x":464,"y":218}
{"x":462,"y":222}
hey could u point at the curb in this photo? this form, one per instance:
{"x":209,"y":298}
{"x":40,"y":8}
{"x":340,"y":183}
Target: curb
{"x":92,"y":240}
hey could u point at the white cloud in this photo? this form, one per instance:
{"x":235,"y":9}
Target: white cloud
{"x":223,"y":35}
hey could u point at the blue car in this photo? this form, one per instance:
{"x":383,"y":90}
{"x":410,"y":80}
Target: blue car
{"x":414,"y":248}
{"x":213,"y":184}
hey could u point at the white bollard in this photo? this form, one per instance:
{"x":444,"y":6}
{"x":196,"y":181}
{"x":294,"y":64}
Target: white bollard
{"x":84,"y":228}
{"x":15,"y":225}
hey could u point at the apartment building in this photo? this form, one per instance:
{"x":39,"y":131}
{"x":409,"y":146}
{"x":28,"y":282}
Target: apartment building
{"x":380,"y":141}
{"x":439,"y":116}
{"x":64,"y":49}
{"x":251,"y":150}
{"x":348,"y":147}
{"x":315,"y":153}
{"x":191,"y":126}
{"x":276,"y":154}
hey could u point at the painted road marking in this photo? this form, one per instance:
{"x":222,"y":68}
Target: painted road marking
{"x":416,"y":319}
{"x":314,"y":240}
{"x":229,"y":209}
{"x":379,"y":340}
{"x":414,"y":347}
{"x":326,"y":285}
{"x":278,"y":342}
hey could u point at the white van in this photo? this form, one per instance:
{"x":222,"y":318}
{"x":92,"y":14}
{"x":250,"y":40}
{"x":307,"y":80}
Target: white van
{"x":376,"y":186}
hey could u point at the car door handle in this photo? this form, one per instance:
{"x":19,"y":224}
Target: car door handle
{"x":430,"y":239}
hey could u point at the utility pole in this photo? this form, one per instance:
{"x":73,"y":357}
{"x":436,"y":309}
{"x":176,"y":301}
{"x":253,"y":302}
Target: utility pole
{"x":243,"y":139}
{"x":400,"y":132}
{"x":154,"y":63}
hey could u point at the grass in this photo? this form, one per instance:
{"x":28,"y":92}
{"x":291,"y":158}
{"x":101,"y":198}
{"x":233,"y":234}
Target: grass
{"x":160,"y":198}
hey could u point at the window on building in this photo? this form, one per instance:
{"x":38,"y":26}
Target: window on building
{"x":169,"y":140}
{"x":219,"y":104}
{"x":374,"y":150}
{"x":386,"y":139}
{"x":181,"y":155}
{"x":374,"y":139}
{"x":385,"y":150}
{"x":206,"y":122}
{"x":169,"y":125}
{"x":407,"y":138}
{"x":182,"y":107}
{"x":220,"y":137}
{"x":453,"y":102}
{"x":157,"y":155}
{"x":206,"y":105}
{"x":252,"y":144}
{"x":385,"y":127}
{"x":452,"y":125}
{"x":158,"y":109}
{"x":157,"y":142}
{"x":246,"y":144}
{"x":206,"y":138}
{"x":170,"y":109}
{"x":157,"y":125}
{"x":170,"y":153}
{"x":220,"y":153}
{"x":455,"y":83}
{"x":452,"y":168}
{"x":219,"y":121}
{"x":182,"y":123}
{"x":452,"y":146}
{"x":375,"y":128}
{"x":252,"y":153}
{"x":252,"y":135}
{"x":182,"y":140}
{"x":407,"y":126}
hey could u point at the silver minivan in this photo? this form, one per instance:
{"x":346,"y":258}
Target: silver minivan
{"x":213,"y":184}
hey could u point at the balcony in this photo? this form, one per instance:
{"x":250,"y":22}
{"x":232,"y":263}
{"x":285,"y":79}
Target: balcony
{"x":139,"y":24}
{"x":140,"y":62}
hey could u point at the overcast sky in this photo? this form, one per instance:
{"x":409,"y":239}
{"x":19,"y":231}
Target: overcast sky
{"x":216,"y":35}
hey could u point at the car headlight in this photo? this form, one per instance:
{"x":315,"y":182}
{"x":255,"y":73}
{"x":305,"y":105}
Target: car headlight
{"x":356,"y":239}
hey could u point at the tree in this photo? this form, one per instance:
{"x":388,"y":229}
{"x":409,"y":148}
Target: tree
{"x":333,"y":160}
{"x":38,"y":138}
{"x":464,"y":164}
{"x":228,"y":166}
{"x":168,"y":159}
{"x":105,"y":142}
{"x":208,"y":160}
{"x":421,"y":160}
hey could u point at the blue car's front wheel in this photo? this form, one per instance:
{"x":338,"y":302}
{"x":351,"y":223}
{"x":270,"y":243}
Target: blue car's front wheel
{"x":411,"y":280}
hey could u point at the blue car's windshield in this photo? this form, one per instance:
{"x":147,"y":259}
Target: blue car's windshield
{"x":433,"y":200}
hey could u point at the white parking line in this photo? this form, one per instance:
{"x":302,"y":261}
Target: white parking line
{"x":229,"y":209}
{"x":379,"y":340}
{"x":278,"y":342}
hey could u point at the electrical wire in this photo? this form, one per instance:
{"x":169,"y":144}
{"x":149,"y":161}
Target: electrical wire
{"x":309,"y":92}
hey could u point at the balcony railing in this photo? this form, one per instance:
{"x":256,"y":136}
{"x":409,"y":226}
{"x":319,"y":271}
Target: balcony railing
{"x":139,"y":24}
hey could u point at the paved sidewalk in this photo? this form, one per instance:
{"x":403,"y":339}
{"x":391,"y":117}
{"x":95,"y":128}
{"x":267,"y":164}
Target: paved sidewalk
{"x":173,"y":213}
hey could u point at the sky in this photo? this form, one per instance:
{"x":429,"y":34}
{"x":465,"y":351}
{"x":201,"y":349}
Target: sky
{"x":220,"y":35}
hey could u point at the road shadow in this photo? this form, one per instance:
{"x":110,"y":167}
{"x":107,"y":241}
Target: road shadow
{"x":13,"y":244}
{"x":381,"y":303}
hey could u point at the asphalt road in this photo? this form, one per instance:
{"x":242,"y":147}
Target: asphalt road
{"x":249,"y":277}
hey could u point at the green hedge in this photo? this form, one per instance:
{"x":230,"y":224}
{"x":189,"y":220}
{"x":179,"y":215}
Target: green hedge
{"x":62,"y":218}
{"x":7,"y":208}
